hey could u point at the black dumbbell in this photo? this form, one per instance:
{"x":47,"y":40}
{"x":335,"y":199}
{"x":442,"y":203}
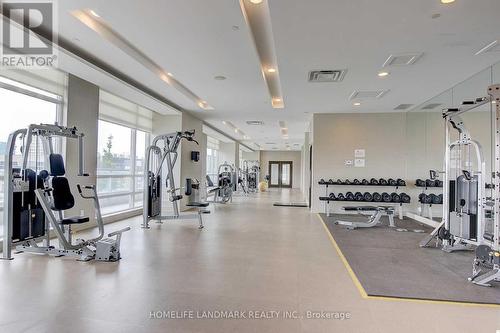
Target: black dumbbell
{"x":347,"y":182}
{"x":340,"y":197}
{"x":356,"y":182}
{"x":377,"y":197}
{"x":440,"y":199}
{"x":428,"y":199}
{"x":435,"y":199}
{"x":339,"y":182}
{"x":405,"y":198}
{"x":382,"y":182}
{"x":331,"y":182}
{"x":358,"y":196}
{"x":438,"y":183}
{"x":392,"y":182}
{"x":349,"y":196}
{"x":373,"y":181}
{"x":332,"y":196}
{"x":367,"y":196}
{"x":321,"y":181}
{"x":365,"y":182}
{"x":395,"y":197}
{"x":429,"y":183}
{"x":386,"y":197}
{"x":421,"y":197}
{"x":419,"y":183}
{"x":400,"y":182}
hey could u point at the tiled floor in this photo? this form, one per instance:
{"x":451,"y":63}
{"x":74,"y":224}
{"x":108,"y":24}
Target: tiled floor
{"x":251,"y":256}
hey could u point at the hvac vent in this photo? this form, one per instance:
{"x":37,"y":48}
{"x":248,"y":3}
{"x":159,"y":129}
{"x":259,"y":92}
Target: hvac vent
{"x":255,"y":122}
{"x":270,"y":143}
{"x":368,"y":94}
{"x":403,"y":106}
{"x":335,"y":75}
{"x":491,"y":47}
{"x":431,"y":106}
{"x":402,"y":59}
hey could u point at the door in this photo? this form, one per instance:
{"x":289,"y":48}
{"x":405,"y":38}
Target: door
{"x":310,"y":173}
{"x":280,"y":174}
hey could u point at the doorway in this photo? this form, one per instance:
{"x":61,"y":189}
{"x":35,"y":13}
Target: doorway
{"x":280,"y":174}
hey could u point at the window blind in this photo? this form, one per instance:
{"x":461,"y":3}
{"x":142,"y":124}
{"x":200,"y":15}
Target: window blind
{"x":122,"y":112}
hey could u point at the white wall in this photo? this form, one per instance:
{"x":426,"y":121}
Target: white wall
{"x":271,"y":155}
{"x":227,"y":152}
{"x":82,"y":112}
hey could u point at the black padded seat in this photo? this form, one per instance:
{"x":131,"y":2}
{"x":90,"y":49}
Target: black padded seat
{"x":75,"y":220}
{"x":368,"y":208}
{"x":488,"y":236}
{"x":197,"y":204}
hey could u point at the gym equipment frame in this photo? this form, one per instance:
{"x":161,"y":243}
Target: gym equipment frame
{"x":32,"y":197}
{"x":155,"y":159}
{"x":373,"y":219}
{"x":466,"y":208}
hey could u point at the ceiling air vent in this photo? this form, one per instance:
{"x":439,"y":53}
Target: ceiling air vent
{"x":403,"y":106}
{"x":358,"y":94}
{"x":270,"y":143}
{"x":431,"y":106}
{"x":402,"y":59}
{"x":335,"y":75}
{"x":255,"y":122}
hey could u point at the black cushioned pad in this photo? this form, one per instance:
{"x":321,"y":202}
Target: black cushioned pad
{"x":75,"y":220}
{"x":198,"y":204}
{"x":391,"y":263}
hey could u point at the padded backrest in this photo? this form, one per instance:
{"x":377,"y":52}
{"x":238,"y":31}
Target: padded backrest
{"x":56,"y":165}
{"x":62,"y":198}
{"x":209,"y":181}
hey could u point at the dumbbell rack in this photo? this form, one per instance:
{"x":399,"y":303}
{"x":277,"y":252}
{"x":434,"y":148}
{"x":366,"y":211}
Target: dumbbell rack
{"x":423,"y":205}
{"x":327,"y":198}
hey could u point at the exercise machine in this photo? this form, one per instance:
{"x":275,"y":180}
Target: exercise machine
{"x":226,"y":184}
{"x":373,"y":219}
{"x":251,"y":172}
{"x":163,"y":152}
{"x":33,"y":197}
{"x":471,"y":216}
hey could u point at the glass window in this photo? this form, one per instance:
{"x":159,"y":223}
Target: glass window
{"x":27,"y":110}
{"x":120,"y":167}
{"x":212,"y":158}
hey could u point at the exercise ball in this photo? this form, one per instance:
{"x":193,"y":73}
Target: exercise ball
{"x":263,"y":186}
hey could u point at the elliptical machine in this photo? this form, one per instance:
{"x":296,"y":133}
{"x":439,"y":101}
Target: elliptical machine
{"x":155,"y":159}
{"x":33,"y":197}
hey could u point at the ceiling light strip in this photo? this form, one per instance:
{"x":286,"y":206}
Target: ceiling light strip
{"x":98,"y":25}
{"x":258,"y":19}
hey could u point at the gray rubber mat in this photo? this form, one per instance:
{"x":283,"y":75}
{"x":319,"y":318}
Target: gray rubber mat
{"x":391,"y":264}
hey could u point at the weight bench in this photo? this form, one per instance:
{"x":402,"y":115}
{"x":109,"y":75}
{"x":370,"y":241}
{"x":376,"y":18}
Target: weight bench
{"x":374,"y":218}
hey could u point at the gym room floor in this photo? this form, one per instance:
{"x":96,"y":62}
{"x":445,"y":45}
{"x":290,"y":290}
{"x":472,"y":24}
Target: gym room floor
{"x":250,"y":256}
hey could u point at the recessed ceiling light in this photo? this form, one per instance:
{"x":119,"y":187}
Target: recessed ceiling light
{"x":277,"y":99}
{"x":271,"y":70}
{"x":357,"y":104}
{"x":256,"y":2}
{"x":224,"y":122}
{"x":235,"y":130}
{"x":94,"y":13}
{"x":382,"y":74}
{"x":220,"y":77}
{"x":170,"y":74}
{"x":493,"y":102}
{"x":447,"y":1}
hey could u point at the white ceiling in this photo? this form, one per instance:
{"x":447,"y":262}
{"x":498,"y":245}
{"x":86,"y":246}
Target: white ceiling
{"x":195,"y":40}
